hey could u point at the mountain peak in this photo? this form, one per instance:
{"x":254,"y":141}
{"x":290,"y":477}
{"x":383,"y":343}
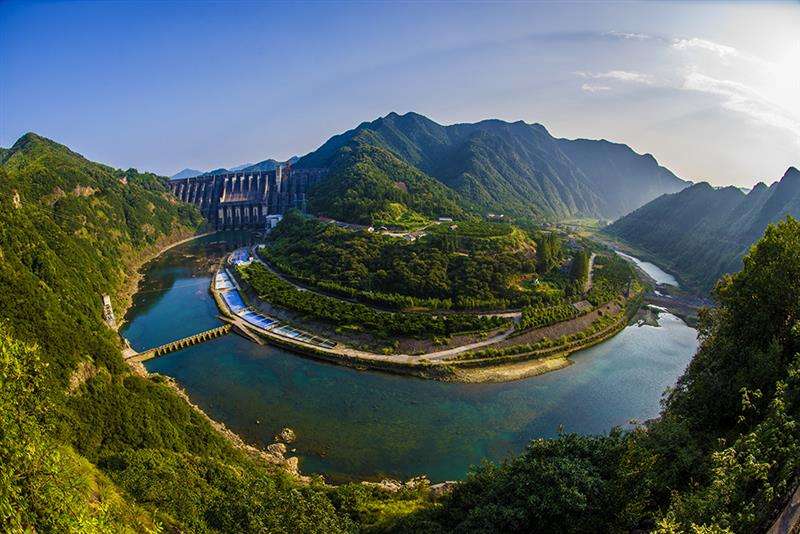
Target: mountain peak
{"x":792,"y":173}
{"x":186,"y":173}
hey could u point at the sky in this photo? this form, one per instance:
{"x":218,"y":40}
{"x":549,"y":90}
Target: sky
{"x":712,"y":90}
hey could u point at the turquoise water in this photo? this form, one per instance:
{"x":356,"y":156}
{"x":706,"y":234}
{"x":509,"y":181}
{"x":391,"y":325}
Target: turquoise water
{"x":353,"y":424}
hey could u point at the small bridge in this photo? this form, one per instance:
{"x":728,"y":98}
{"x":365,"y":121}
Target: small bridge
{"x":182,"y":343}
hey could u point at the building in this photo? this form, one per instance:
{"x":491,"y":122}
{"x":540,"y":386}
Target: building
{"x":273,"y":220}
{"x":108,"y":312}
{"x":244,"y":199}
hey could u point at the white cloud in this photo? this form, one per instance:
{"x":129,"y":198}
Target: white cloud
{"x":724,"y":52}
{"x":720,"y":49}
{"x":741,"y":98}
{"x":594,"y":88}
{"x":621,"y":75}
{"x":627,"y":35}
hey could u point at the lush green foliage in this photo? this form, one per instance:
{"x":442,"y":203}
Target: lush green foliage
{"x":539,"y":316}
{"x":44,"y":485}
{"x":723,"y":457}
{"x":445,"y":270}
{"x":549,"y":252}
{"x":206,"y":494}
{"x":579,"y":270}
{"x":358,"y":316}
{"x":370,"y":185}
{"x":570,"y":484}
{"x":71,"y":230}
{"x":702,"y":233}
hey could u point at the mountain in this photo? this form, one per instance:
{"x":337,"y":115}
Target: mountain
{"x":266,"y":165}
{"x":370,"y":185}
{"x":185,"y":173}
{"x":514,"y":168}
{"x":242,"y":166}
{"x":703,"y":232}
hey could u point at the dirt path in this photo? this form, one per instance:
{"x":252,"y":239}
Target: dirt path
{"x":591,"y":266}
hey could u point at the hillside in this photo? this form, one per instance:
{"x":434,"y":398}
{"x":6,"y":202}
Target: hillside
{"x":701,"y":232}
{"x":370,"y":185}
{"x":514,"y":168}
{"x":83,"y":440}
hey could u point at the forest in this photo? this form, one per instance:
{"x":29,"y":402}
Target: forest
{"x":475,"y":266}
{"x":272,"y":289}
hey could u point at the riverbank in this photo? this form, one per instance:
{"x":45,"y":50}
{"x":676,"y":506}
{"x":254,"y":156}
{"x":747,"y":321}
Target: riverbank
{"x":395,"y":427}
{"x":123,"y":298}
{"x":458,"y":364}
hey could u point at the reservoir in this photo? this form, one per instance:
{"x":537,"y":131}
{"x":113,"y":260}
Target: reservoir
{"x":654,"y":271}
{"x":354,"y":424}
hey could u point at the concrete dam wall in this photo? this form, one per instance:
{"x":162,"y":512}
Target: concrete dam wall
{"x":244,"y":199}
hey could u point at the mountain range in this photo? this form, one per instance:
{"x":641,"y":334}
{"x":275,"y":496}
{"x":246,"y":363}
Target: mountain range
{"x":703,"y":232}
{"x":266,"y":165}
{"x":513,"y":168}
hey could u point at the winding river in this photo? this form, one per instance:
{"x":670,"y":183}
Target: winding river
{"x":653,"y":271}
{"x":366,"y":425}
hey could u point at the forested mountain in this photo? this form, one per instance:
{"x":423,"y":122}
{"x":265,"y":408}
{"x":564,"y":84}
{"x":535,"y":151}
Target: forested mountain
{"x":514,"y":168}
{"x":370,"y":185}
{"x":701,"y":233}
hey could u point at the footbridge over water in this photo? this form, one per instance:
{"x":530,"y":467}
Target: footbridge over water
{"x":179,"y":344}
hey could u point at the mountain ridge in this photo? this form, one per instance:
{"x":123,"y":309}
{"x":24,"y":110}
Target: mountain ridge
{"x":513,"y":167}
{"x":704,"y":232}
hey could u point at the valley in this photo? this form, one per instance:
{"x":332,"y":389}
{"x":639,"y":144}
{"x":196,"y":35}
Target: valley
{"x":398,"y":427}
{"x":458,"y":334}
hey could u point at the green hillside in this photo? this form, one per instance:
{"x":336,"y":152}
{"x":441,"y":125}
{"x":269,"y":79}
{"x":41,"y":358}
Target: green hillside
{"x":514,"y":168}
{"x":701,"y":232}
{"x":370,"y":185}
{"x":723,"y":457}
{"x":71,"y":229}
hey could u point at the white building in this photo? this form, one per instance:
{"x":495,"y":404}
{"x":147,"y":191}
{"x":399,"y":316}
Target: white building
{"x":273,"y":220}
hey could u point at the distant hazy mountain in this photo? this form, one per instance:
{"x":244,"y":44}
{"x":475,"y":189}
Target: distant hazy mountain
{"x":266,"y":165}
{"x":514,"y":168}
{"x":186,"y":173}
{"x":703,"y":232}
{"x":242,"y":166}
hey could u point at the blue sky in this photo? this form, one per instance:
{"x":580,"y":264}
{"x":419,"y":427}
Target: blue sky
{"x":712,"y":90}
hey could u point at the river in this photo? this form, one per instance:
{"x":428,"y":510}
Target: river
{"x":653,"y":271}
{"x":366,"y":425}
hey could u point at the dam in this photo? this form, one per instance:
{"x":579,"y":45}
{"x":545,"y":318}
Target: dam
{"x":243,"y":199}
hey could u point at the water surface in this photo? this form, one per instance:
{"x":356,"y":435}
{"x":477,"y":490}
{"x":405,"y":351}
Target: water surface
{"x":654,"y":271}
{"x":353,"y":424}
